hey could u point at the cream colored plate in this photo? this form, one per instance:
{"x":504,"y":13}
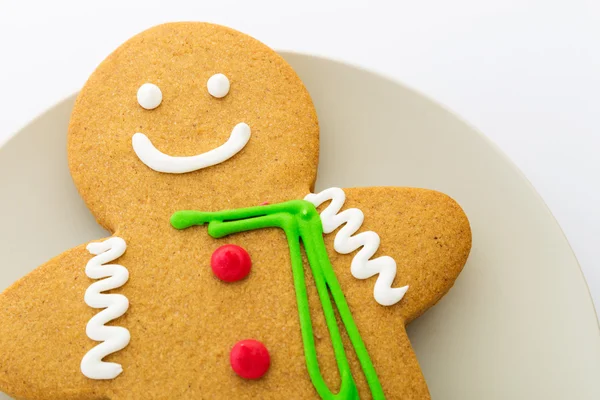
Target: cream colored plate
{"x":519,"y":323}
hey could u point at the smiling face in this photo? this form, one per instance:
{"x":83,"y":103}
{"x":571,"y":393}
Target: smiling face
{"x":191,"y":115}
{"x":149,"y":97}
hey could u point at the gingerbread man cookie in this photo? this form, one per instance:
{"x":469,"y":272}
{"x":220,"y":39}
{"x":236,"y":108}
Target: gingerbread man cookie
{"x":225,"y":277}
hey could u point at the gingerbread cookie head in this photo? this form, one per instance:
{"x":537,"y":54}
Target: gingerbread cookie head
{"x":157,"y":123}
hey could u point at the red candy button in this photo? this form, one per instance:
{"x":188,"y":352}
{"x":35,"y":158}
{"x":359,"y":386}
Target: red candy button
{"x":230,"y":263}
{"x":250,"y":359}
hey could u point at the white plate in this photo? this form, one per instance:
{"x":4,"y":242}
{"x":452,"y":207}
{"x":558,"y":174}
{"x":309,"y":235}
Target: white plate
{"x":519,"y":323}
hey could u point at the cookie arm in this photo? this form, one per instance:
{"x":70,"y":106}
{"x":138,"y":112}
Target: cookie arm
{"x":43,"y":331}
{"x":425,"y":232}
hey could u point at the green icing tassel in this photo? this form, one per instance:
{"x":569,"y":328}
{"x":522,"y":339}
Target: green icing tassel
{"x":301,"y":223}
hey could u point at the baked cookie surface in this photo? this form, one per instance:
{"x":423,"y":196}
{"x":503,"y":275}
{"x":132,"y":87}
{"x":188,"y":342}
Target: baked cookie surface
{"x":250,"y":140}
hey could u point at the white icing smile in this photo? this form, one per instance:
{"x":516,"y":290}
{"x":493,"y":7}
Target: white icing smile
{"x":161,"y":162}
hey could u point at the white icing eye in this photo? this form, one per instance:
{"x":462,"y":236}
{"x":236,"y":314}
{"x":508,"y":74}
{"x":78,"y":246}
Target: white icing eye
{"x":149,"y":96}
{"x":218,"y":85}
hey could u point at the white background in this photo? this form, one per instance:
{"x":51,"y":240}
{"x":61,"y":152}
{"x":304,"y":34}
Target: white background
{"x":524,"y":72}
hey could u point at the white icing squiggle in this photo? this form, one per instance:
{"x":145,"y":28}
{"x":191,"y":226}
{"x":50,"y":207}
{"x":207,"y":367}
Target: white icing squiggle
{"x":113,"y":338}
{"x":346,"y":241}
